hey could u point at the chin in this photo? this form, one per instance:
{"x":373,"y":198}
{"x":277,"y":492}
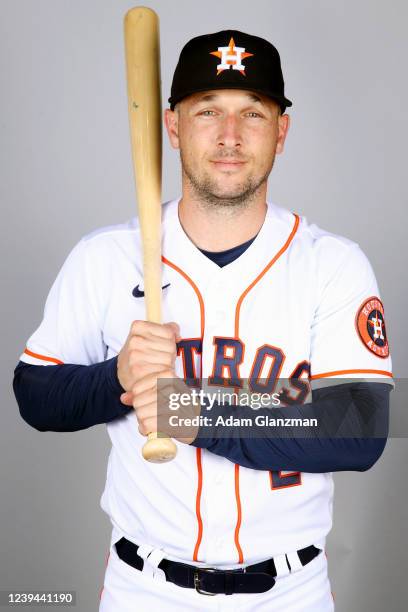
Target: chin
{"x":230,"y":194}
{"x":229,"y":197}
{"x":230,"y":185}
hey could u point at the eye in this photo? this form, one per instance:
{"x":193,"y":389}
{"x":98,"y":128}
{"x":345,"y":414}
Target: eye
{"x":254,"y":114}
{"x":207,"y":113}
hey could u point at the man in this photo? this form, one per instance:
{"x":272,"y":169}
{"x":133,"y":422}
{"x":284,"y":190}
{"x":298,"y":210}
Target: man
{"x":252,"y":293}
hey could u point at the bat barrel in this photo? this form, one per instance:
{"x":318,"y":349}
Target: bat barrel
{"x":142,"y":48}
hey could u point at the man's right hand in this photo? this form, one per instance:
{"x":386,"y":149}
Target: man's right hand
{"x":149,"y":348}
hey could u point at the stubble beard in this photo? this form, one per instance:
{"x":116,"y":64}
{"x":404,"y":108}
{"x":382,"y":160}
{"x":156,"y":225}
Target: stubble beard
{"x":207,"y":193}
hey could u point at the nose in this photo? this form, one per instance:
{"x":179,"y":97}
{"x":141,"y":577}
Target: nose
{"x":230,"y":132}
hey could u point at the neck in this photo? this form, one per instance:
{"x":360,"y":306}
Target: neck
{"x":217,"y":228}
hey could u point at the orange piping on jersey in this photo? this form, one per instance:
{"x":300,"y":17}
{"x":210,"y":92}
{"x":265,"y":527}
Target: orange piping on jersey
{"x":264,"y":271}
{"x":196,"y":290}
{"x":43,"y":357}
{"x":239,"y":517}
{"x":198,"y":450}
{"x":237,"y":313}
{"x":198,"y":502}
{"x":339,"y":372}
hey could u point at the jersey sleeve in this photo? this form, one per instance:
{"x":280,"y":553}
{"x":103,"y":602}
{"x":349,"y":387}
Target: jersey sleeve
{"x":348,"y":334}
{"x":71,"y":329}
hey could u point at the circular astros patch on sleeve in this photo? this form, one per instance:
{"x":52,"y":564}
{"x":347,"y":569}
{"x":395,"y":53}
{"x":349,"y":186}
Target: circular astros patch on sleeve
{"x":370,"y":326}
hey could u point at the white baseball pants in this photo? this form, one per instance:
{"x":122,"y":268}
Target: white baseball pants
{"x":126,"y":589}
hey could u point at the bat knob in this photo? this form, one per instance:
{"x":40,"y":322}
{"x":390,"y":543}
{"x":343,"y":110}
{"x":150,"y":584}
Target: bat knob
{"x":159,"y":448}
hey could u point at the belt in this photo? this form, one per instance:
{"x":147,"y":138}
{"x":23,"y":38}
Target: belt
{"x":256,"y":578}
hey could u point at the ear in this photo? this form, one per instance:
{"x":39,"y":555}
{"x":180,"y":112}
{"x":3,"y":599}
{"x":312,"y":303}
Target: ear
{"x":283,"y":128}
{"x":171,"y":121}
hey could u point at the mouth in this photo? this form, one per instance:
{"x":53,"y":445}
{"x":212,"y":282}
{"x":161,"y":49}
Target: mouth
{"x":228,"y":164}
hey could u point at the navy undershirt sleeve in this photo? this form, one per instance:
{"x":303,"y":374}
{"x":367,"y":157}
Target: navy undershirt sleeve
{"x":68,"y":397}
{"x":71,"y":397}
{"x":358,"y":411}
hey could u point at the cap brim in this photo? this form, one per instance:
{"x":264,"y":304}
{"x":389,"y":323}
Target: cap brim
{"x":277,"y":97}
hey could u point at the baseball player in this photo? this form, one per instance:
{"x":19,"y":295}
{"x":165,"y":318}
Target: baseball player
{"x":251,"y":293}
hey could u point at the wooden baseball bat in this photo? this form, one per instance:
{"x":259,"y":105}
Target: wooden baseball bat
{"x":142,"y":48}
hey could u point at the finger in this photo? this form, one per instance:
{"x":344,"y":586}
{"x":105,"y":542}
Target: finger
{"x":149,"y":379}
{"x":127,"y":398}
{"x":142,"y":370}
{"x":175,"y":327}
{"x":148,"y":343}
{"x":145,"y":410}
{"x":143,"y":402}
{"x":153,"y":356}
{"x":147,"y":388}
{"x":147,"y":425}
{"x":159,"y":330}
{"x":169,"y":383}
{"x":146,"y":328}
{"x":147,"y":383}
{"x":163,"y":330}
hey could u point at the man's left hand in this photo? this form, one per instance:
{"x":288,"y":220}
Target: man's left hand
{"x":151,"y":404}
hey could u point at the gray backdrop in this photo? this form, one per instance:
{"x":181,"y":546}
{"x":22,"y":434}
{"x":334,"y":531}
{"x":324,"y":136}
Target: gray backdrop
{"x":66,"y":169}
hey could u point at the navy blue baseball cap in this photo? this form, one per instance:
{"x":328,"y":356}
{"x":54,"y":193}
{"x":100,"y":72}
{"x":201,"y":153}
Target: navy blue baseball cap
{"x":229,"y":59}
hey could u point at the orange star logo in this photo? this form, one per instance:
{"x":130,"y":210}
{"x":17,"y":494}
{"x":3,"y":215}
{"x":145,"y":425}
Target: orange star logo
{"x":231,"y":57}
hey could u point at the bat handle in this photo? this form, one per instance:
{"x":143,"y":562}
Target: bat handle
{"x":159,"y":448}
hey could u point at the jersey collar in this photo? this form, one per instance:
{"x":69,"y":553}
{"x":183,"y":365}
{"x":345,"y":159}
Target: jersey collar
{"x":182,"y":252}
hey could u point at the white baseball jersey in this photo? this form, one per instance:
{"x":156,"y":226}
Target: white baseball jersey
{"x":298,"y":301}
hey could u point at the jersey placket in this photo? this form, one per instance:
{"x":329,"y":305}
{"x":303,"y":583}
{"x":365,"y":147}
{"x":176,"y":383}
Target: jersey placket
{"x":219,"y":520}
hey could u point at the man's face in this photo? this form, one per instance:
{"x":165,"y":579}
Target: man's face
{"x":228,"y":140}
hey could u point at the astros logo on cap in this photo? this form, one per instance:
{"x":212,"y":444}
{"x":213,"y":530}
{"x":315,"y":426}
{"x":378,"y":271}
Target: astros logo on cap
{"x":370,"y":325}
{"x":231,"y":57}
